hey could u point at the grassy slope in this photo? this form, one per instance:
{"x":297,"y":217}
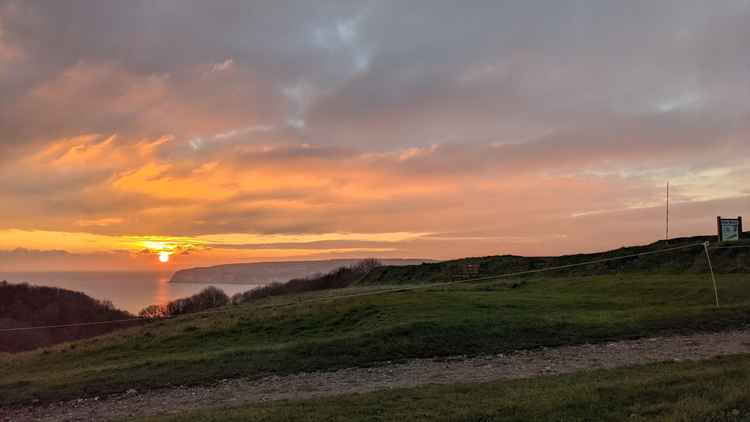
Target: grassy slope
{"x":690,"y":260}
{"x":259,"y":339}
{"x":713,"y":390}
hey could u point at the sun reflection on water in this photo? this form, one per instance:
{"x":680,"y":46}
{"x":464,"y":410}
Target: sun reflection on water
{"x":163,"y":290}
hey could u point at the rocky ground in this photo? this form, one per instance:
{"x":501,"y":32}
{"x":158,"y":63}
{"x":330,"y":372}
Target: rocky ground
{"x":459,"y":369}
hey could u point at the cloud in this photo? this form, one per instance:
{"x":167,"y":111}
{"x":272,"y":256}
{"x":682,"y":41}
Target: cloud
{"x":9,"y":54}
{"x":101,"y":222}
{"x":21,"y":259}
{"x":223,"y":66}
{"x":368,"y":118}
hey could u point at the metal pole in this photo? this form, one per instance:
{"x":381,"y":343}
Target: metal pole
{"x":713,"y":277}
{"x":666,"y":237}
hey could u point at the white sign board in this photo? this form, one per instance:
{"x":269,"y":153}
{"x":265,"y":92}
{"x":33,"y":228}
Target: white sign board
{"x":729,"y":229}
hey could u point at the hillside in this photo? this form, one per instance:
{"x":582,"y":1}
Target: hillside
{"x":683,"y":261}
{"x":659,"y":294}
{"x":372,"y":325}
{"x":22,"y":305}
{"x":268,"y":272}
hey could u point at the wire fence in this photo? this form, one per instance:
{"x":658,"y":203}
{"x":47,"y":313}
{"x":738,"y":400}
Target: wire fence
{"x":77,"y":324}
{"x":704,"y":245}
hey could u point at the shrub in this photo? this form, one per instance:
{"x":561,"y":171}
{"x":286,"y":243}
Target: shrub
{"x":210,"y":297}
{"x":153,"y":312}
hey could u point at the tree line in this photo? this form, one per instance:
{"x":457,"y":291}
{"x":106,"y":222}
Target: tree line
{"x":212,"y":297}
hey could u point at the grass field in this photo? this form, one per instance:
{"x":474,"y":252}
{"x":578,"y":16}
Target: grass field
{"x":714,"y":390}
{"x":287,"y":335}
{"x":685,"y":256}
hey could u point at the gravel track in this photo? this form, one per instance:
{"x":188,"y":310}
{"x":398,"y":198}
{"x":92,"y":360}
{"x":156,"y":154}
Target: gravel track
{"x":521,"y":364}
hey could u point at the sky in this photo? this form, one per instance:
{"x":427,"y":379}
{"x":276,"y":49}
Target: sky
{"x":238,"y":131}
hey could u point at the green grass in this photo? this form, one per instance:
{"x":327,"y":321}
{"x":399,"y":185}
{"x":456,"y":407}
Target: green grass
{"x":714,"y":390}
{"x":288,"y":335}
{"x":689,"y":258}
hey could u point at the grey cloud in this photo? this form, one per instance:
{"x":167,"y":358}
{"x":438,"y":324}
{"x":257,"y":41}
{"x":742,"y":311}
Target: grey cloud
{"x":551,"y":64}
{"x":536,"y":63}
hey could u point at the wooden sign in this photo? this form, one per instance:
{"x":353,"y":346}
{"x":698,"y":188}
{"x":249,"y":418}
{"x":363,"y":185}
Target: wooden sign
{"x":730,"y":229}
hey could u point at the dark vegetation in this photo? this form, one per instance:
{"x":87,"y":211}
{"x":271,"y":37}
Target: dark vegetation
{"x":22,"y":305}
{"x":336,"y":279}
{"x":713,"y":390}
{"x":212,"y":297}
{"x":208,"y":298}
{"x":685,"y":261}
{"x":301,"y":333}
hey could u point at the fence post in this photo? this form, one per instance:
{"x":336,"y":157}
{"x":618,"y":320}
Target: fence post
{"x":713,"y":277}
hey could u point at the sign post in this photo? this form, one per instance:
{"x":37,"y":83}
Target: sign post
{"x":730,"y":229}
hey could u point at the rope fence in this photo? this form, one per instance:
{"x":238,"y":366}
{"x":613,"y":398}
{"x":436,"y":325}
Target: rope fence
{"x":78,"y":324}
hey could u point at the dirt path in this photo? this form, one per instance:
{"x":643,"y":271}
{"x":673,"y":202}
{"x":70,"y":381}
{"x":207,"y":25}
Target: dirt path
{"x":520,"y":364}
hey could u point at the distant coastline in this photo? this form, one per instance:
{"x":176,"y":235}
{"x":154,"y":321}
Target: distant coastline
{"x":258,"y":273}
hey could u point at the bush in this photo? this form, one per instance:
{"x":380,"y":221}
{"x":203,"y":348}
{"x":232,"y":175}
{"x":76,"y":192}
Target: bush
{"x":153,"y":312}
{"x":210,"y":297}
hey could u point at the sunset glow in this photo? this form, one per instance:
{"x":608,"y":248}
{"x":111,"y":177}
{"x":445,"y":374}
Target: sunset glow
{"x":342,"y":131}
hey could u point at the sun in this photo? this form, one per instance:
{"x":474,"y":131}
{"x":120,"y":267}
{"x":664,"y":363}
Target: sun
{"x":164,"y":257}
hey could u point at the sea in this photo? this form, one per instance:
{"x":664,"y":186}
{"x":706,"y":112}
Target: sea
{"x":129,"y":291}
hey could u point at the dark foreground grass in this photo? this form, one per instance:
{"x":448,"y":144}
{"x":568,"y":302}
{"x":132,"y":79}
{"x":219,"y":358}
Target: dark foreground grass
{"x":714,"y":390}
{"x":259,"y":339}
